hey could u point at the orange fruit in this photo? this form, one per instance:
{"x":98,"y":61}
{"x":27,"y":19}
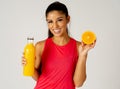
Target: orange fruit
{"x":88,"y":37}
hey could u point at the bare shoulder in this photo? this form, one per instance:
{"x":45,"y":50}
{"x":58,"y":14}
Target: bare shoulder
{"x":39,"y":46}
{"x":78,"y":43}
{"x":40,"y":43}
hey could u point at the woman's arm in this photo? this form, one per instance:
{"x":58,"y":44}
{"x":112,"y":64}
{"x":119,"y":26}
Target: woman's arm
{"x":38,"y":52}
{"x":80,"y":71}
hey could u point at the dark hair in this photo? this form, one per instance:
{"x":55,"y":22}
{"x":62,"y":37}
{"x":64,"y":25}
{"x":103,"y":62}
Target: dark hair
{"x":56,"y":6}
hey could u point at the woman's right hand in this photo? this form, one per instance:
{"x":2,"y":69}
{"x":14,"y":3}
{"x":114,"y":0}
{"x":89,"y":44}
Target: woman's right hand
{"x":24,"y":61}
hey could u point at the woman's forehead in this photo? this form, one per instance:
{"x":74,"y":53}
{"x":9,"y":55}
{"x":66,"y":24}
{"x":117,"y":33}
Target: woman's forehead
{"x":55,"y":15}
{"x":55,"y":12}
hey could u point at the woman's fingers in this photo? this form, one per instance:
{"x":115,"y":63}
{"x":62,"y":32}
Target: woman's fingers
{"x":24,"y":61}
{"x":93,"y":44}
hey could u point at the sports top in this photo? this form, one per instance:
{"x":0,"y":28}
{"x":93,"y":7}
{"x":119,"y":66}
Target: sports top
{"x":58,"y":65}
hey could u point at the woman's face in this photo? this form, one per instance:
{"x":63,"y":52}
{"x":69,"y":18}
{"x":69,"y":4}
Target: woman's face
{"x":57,"y":23}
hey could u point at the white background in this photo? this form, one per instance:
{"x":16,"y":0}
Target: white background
{"x":22,"y":18}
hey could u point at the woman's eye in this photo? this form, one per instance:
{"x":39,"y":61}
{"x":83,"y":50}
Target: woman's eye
{"x":60,"y":19}
{"x":49,"y":21}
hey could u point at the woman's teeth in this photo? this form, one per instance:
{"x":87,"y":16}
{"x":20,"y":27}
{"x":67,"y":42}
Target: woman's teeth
{"x":57,"y":31}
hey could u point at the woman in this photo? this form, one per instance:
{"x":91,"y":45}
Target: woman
{"x":61,"y":58}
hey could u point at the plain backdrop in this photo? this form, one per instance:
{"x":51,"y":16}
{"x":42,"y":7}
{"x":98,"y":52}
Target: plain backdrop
{"x":22,"y":18}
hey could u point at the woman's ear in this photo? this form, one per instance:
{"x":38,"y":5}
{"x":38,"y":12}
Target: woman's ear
{"x":68,"y":19}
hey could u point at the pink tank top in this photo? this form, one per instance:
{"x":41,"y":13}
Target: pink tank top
{"x":58,"y":66}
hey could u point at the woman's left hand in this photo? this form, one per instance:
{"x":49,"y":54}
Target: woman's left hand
{"x":84,"y":48}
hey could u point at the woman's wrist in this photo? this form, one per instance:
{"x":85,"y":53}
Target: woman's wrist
{"x":83,"y":54}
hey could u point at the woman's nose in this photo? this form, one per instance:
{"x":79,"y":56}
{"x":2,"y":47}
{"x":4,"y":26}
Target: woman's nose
{"x":55,"y":25}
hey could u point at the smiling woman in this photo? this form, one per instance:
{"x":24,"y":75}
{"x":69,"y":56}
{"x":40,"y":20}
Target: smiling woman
{"x":57,"y":7}
{"x":61,"y":59}
{"x":57,"y":23}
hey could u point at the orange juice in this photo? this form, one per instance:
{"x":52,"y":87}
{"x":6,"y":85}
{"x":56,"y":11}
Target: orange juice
{"x":88,"y":37}
{"x":29,"y":53}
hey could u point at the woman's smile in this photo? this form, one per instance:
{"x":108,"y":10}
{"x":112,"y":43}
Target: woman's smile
{"x":57,"y":23}
{"x":57,"y":31}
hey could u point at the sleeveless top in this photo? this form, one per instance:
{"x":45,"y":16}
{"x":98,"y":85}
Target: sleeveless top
{"x":58,"y":65}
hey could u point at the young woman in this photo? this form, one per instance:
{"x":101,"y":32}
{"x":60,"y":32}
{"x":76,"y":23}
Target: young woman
{"x":60,"y":58}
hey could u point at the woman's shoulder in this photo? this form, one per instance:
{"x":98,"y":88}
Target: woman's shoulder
{"x":78,"y":43}
{"x":40,"y":45}
{"x":42,"y":42}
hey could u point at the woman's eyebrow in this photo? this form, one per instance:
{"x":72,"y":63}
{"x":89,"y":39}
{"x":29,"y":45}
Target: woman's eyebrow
{"x":57,"y":18}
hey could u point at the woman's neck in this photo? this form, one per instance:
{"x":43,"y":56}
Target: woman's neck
{"x":61,"y":40}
